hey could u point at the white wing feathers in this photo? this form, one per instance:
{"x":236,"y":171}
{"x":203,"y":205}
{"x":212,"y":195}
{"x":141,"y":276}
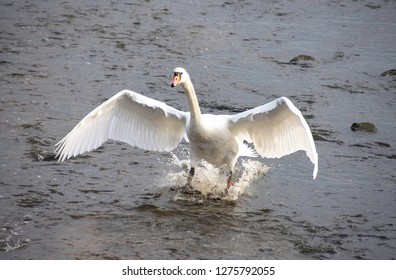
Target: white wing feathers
{"x":276,"y":129}
{"x":128,"y":117}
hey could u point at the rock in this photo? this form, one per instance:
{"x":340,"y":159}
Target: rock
{"x":302,"y":58}
{"x":43,"y":156}
{"x":391,"y":72}
{"x":364,"y":126}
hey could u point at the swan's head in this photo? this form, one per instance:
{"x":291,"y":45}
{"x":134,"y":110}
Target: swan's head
{"x":180,"y":76}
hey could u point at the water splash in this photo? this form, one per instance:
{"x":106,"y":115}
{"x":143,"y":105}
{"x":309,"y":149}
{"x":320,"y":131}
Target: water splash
{"x":210,"y":181}
{"x":252,"y":170}
{"x":11,"y":239}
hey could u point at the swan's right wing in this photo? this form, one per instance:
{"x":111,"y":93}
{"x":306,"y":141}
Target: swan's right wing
{"x":276,"y":129}
{"x":128,"y":117}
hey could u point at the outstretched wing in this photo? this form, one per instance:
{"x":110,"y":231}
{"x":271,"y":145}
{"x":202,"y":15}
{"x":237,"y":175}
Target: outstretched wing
{"x":276,"y":129}
{"x":128,"y":117}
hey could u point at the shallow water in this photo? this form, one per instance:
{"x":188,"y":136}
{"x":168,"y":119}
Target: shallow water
{"x":59,"y":60}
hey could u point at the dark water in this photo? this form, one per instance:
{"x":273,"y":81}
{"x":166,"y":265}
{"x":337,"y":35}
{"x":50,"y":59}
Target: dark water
{"x":60,"y":59}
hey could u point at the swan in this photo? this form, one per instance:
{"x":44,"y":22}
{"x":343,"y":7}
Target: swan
{"x":273,"y":130}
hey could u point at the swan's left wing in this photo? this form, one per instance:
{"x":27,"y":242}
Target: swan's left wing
{"x":128,"y":117}
{"x":277,"y":129}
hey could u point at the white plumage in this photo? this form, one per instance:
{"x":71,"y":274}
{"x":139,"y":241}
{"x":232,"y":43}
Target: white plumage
{"x":275,"y":129}
{"x":128,"y":117}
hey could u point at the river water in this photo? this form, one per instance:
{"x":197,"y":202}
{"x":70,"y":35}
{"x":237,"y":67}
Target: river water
{"x":61,"y":59}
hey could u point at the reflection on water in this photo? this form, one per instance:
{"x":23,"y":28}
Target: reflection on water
{"x":59,"y":60}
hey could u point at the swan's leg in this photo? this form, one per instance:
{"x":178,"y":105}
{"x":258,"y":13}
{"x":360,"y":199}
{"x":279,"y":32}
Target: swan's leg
{"x":191,"y":175}
{"x":188,"y":188}
{"x":229,"y":180}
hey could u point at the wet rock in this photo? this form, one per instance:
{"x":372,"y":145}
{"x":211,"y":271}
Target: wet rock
{"x":303,"y":59}
{"x":39,"y":148}
{"x":27,"y":218}
{"x":364,"y":127}
{"x":43,"y":156}
{"x":325,"y":135}
{"x":391,"y":72}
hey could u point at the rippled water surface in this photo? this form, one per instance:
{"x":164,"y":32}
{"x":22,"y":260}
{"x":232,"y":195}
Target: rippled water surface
{"x":60,"y":59}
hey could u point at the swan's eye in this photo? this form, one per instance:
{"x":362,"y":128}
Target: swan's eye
{"x":176,"y":79}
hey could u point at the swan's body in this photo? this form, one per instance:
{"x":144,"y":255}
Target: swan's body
{"x":275,"y":129}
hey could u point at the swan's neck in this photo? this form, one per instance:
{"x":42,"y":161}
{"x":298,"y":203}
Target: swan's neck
{"x":192,"y":101}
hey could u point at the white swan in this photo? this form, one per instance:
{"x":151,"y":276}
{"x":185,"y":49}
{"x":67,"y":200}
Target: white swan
{"x":275,"y":129}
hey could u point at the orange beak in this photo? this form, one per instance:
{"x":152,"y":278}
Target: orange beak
{"x":176,"y":79}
